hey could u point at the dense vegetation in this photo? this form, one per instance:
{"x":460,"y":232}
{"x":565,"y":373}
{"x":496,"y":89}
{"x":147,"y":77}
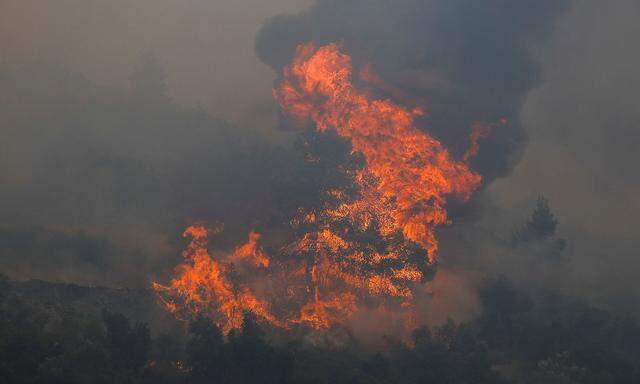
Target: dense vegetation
{"x":519,"y":336}
{"x":515,"y":339}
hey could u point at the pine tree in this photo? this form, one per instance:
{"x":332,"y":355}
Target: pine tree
{"x":542,"y":224}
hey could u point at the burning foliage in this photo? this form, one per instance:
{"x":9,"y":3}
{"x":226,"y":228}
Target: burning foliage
{"x":370,"y":245}
{"x":206,"y":286}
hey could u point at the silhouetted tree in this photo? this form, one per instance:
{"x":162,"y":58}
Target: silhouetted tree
{"x":542,"y":223}
{"x":505,"y":312}
{"x":552,"y":340}
{"x":252,"y":358}
{"x":540,"y":229}
{"x":449,"y":354}
{"x":129,"y":346}
{"x":205,"y":351}
{"x":4,"y":286}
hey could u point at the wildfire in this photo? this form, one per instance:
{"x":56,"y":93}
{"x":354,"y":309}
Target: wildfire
{"x":369,"y":250}
{"x":412,"y":170}
{"x":252,"y":252}
{"x":203,"y":285}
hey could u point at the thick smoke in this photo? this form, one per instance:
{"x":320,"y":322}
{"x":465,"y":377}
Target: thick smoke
{"x":469,"y":61}
{"x":101,"y":168}
{"x":465,"y":62}
{"x":564,"y":78}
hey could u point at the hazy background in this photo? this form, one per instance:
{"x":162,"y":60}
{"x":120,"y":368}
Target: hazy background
{"x":122,"y":120}
{"x":584,"y":129}
{"x":206,"y":46}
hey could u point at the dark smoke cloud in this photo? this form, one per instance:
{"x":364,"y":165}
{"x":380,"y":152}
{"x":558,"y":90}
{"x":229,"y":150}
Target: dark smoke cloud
{"x":101,"y":168}
{"x":469,"y":60}
{"x":564,"y":74}
{"x":464,"y":61}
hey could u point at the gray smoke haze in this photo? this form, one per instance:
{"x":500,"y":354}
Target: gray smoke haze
{"x":205,"y":45}
{"x":95,"y":180}
{"x":584,"y":128}
{"x":121,"y":121}
{"x":108,"y":141}
{"x":563,"y":73}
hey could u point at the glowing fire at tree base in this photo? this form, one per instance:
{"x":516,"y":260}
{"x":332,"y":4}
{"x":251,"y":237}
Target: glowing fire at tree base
{"x":368,"y":250}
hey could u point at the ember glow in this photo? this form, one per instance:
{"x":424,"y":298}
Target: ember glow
{"x":372,"y":250}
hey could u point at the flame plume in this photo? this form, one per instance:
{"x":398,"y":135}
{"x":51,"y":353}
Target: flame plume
{"x":372,"y":250}
{"x":413,"y":171}
{"x":203,"y":285}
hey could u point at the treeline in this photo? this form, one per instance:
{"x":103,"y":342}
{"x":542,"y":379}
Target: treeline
{"x":515,"y":339}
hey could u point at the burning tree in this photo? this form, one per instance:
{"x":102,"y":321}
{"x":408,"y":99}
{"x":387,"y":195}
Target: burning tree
{"x":370,"y":243}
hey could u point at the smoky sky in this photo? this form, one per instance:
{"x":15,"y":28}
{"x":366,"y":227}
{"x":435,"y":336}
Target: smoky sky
{"x":122,"y":167}
{"x":205,"y":45}
{"x":469,"y":60}
{"x":122,"y":121}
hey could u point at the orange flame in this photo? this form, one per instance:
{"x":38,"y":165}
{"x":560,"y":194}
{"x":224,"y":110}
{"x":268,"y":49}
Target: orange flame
{"x":252,"y":252}
{"x":330,"y":273}
{"x":412,"y":169}
{"x":203,"y":285}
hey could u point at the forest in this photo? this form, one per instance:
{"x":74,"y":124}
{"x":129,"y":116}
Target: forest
{"x":319,"y":192}
{"x":516,"y":337}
